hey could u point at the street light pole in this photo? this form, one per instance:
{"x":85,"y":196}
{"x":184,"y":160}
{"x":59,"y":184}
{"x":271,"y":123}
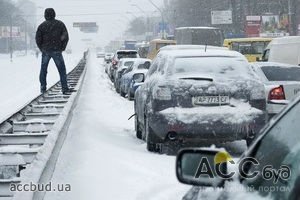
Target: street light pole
{"x":162,"y":18}
{"x":10,"y":39}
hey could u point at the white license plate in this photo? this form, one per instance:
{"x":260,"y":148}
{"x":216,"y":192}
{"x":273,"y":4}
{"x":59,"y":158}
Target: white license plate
{"x":211,"y":100}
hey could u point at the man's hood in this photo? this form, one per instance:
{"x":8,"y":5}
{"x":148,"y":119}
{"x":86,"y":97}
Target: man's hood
{"x":49,"y":14}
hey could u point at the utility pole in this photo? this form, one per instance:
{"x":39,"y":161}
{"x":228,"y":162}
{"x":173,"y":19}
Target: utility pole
{"x":292,"y":16}
{"x":26,"y":45}
{"x":162,"y":18}
{"x":11,"y":39}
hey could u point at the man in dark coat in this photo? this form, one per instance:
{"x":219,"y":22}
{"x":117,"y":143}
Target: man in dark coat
{"x":52,"y":39}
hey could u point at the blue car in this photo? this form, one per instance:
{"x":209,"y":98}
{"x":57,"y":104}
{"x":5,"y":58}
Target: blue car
{"x":140,"y":66}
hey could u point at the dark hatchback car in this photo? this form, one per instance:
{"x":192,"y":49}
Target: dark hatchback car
{"x":274,"y":156}
{"x":191,"y":96}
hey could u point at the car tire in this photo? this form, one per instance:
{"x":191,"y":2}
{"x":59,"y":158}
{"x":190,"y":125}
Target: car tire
{"x":123,"y":94}
{"x":151,"y":139}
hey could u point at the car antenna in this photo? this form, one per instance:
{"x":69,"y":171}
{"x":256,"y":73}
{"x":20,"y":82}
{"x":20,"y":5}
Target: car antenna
{"x":205,"y":47}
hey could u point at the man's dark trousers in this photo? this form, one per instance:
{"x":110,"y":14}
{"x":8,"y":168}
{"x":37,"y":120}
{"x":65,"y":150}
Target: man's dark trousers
{"x":60,"y":64}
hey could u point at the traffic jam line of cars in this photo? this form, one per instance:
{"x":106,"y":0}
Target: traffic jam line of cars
{"x":197,"y":96}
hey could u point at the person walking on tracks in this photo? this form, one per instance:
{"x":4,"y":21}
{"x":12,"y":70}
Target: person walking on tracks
{"x":52,"y":39}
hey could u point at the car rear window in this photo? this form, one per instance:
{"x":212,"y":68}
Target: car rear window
{"x":145,"y":65}
{"x":128,"y":63}
{"x":221,"y":66}
{"x":274,"y":73}
{"x":127,"y":55}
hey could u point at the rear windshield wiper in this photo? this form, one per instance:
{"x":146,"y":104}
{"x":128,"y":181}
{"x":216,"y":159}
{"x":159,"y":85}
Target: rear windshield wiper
{"x":198,"y":79}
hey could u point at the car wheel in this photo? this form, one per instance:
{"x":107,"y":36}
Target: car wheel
{"x":123,"y":94}
{"x":137,"y":128}
{"x":151,"y":140}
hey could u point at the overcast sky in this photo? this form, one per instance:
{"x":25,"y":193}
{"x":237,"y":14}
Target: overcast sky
{"x":111,"y":15}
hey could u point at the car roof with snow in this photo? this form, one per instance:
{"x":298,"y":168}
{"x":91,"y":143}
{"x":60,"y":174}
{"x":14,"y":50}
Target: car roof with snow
{"x":272,"y":64}
{"x":140,"y":60}
{"x":203,"y":53}
{"x":126,"y":51}
{"x":190,"y":47}
{"x":127,"y":59}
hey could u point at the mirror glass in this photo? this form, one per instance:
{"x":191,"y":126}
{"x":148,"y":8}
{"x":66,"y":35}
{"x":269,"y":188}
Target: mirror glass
{"x":138,"y":78}
{"x":199,"y":168}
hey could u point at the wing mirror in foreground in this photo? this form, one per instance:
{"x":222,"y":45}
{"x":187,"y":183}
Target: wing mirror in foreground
{"x":202,"y":167}
{"x":138,"y":78}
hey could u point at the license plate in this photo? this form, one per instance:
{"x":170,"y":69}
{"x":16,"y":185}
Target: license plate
{"x":211,"y":100}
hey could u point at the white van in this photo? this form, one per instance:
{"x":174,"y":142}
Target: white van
{"x":283,"y":50}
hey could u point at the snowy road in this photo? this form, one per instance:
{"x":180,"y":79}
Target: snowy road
{"x":101,"y":157}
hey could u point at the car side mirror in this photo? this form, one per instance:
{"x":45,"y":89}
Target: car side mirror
{"x":202,"y":167}
{"x":138,"y":78}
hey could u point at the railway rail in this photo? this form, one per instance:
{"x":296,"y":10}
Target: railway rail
{"x":31,"y":139}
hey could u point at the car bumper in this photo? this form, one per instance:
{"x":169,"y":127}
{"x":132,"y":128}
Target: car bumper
{"x":215,"y":130}
{"x":273,"y":108}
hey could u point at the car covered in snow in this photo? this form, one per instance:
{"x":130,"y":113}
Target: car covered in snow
{"x":141,"y":65}
{"x":108,"y":57}
{"x":282,"y":83}
{"x":191,"y":97}
{"x":269,"y":169}
{"x":100,"y":54}
{"x":115,"y":60}
{"x":123,"y":65}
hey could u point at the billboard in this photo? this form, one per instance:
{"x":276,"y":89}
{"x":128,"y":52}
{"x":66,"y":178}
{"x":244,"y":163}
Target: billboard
{"x":274,"y":26}
{"x":253,"y":24}
{"x":221,"y":17}
{"x":5,"y":31}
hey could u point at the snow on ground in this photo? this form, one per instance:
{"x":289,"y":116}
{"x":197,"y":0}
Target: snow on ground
{"x":101,"y":157}
{"x":19,"y":80}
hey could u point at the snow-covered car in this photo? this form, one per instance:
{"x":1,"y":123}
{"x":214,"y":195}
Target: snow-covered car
{"x":100,"y":54}
{"x":192,"y":96}
{"x":269,"y":169}
{"x":123,"y":65}
{"x":108,"y":57}
{"x":282,"y":84}
{"x":189,"y":47}
{"x":141,"y":65}
{"x":117,"y":56}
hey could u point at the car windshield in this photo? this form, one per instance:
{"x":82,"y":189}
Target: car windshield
{"x":274,"y":73}
{"x":249,"y":47}
{"x":144,"y":65}
{"x":221,"y":66}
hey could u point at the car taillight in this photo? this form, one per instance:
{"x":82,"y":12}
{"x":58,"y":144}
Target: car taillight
{"x":277,"y":93}
{"x":162,"y":93}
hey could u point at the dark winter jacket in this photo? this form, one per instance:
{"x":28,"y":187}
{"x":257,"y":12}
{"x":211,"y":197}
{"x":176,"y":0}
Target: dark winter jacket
{"x":52,"y":34}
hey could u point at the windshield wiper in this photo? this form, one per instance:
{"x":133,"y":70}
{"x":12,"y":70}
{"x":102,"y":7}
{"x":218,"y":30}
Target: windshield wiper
{"x":198,"y":79}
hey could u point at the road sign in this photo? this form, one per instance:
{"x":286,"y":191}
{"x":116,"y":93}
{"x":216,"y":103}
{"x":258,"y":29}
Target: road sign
{"x":5,"y":31}
{"x":221,"y":17}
